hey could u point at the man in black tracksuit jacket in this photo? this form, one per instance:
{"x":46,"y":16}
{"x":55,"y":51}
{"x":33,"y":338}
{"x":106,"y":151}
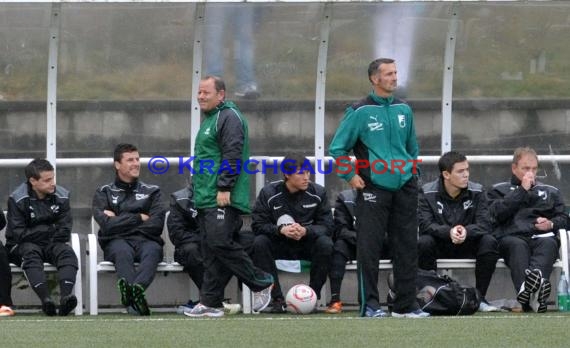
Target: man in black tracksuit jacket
{"x":130,"y":215}
{"x":292,"y":220}
{"x":453,"y":219}
{"x":39,"y":226}
{"x":526,"y":215}
{"x":184,"y":233}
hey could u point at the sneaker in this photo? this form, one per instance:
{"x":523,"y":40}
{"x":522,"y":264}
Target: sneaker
{"x":67,"y":304}
{"x":484,"y":306}
{"x":48,"y":307}
{"x":248,"y":92}
{"x":375,"y":313}
{"x":261,"y":299}
{"x":139,"y":300}
{"x":231,"y":308}
{"x":538,"y":299}
{"x":186,"y":307}
{"x":529,"y":286}
{"x":278,"y":306}
{"x":6,"y":311}
{"x":418,"y":313}
{"x":125,"y":291}
{"x":334,"y":308}
{"x":132,"y":310}
{"x":204,"y":311}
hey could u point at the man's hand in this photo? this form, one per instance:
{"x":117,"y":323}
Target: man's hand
{"x":356,"y":182}
{"x":223,"y":198}
{"x":527,"y":181}
{"x":109,"y":213}
{"x":543,"y":224}
{"x":294,"y":231}
{"x":458,"y":234}
{"x":144,"y":217}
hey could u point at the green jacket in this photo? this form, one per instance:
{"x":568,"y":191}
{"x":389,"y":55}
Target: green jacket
{"x":221,"y":148}
{"x":380,"y":132}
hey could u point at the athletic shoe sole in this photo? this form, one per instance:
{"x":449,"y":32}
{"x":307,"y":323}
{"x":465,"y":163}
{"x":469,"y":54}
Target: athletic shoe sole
{"x":48,"y":308}
{"x":261,"y":299}
{"x":201,"y":311}
{"x":124,"y":289}
{"x":139,"y":300}
{"x":531,"y":285}
{"x":67,"y":304}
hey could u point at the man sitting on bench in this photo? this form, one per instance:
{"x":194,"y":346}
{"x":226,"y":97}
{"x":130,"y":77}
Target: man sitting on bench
{"x":525,"y":214}
{"x":453,"y":218}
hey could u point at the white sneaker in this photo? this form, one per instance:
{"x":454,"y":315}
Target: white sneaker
{"x":486,"y":307}
{"x":204,"y":311}
{"x":418,"y":313}
{"x":261,"y":299}
{"x":538,"y":299}
{"x":231,"y":308}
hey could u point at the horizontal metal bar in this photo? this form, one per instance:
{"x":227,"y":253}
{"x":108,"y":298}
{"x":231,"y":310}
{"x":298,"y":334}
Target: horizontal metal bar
{"x":94,"y":162}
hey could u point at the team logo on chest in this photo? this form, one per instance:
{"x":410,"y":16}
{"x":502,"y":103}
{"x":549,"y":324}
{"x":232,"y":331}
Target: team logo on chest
{"x":402,"y":121}
{"x":369,"y":197}
{"x":439,"y":207}
{"x":375,"y":126}
{"x":140,"y":196}
{"x":467,"y":204}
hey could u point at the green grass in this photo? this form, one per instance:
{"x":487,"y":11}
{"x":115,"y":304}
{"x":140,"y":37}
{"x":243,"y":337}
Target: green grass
{"x":320,"y":330}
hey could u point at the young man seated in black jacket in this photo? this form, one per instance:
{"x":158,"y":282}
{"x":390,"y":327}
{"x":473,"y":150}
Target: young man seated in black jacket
{"x":453,"y":219}
{"x":39,"y":226}
{"x":292,"y":220}
{"x":526,"y":215}
{"x":130,"y":215}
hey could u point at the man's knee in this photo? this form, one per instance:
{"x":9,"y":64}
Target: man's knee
{"x":426,"y":245}
{"x":64,"y":256}
{"x":118,"y":248}
{"x":488,"y":245}
{"x":151,"y":249}
{"x":188,"y":254}
{"x":513,"y":244}
{"x":548,"y":245}
{"x":323,"y":246}
{"x":261,"y":243}
{"x":28,"y":255}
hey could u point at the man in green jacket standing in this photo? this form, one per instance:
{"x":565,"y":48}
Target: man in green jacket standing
{"x":221,"y":188}
{"x":379,"y":130}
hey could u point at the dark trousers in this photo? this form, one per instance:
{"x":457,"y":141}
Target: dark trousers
{"x":5,"y":278}
{"x":125,"y":252}
{"x":343,"y":252}
{"x":521,"y":253}
{"x":395,"y":213}
{"x":31,"y":258}
{"x":189,"y":255}
{"x":317,"y":249}
{"x":224,"y":256}
{"x":484,"y":249}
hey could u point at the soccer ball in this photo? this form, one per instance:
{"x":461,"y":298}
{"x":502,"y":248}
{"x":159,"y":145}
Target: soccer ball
{"x":301,"y":299}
